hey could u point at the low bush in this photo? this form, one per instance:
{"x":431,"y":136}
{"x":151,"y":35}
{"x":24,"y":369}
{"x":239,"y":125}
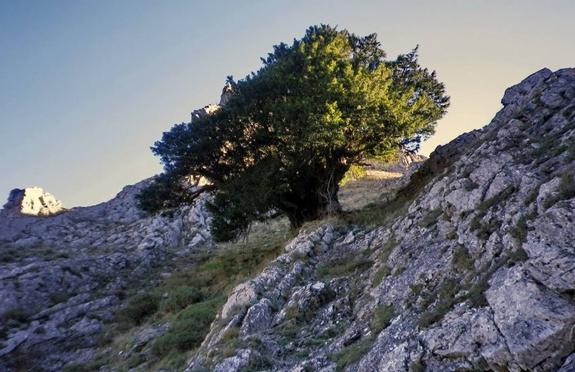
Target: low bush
{"x":180,"y":298}
{"x":189,"y":328}
{"x":139,"y":308}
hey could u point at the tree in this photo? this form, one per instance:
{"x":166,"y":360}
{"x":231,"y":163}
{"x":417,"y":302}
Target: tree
{"x":291,"y":130}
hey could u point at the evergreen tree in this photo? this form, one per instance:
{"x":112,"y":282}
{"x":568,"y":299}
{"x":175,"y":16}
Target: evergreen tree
{"x":291,"y":130}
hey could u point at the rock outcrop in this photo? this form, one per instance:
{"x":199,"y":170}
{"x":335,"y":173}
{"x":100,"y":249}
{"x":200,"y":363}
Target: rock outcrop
{"x":32,"y":201}
{"x":477,"y":273}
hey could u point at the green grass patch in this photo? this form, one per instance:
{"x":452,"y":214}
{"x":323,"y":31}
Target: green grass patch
{"x":139,"y":308}
{"x":382,"y":318}
{"x":189,"y":328}
{"x":344,"y":267}
{"x":180,"y":298}
{"x":351,"y":354}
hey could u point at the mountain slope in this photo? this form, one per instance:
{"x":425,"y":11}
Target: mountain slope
{"x":476,"y":273}
{"x":63,"y":277}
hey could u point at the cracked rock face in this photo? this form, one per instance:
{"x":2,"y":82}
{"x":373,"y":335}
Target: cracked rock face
{"x":477,"y":274}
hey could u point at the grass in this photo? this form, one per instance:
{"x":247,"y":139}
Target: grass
{"x":190,"y":298}
{"x":16,"y":314}
{"x":444,"y":296}
{"x":351,"y":354}
{"x":139,"y":308}
{"x":532,"y":196}
{"x":180,"y":298}
{"x":496,"y":199}
{"x":189,"y":328}
{"x":343,"y":267}
{"x":382,"y":318}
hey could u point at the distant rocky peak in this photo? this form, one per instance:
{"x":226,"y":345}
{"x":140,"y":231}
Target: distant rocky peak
{"x":33,"y":201}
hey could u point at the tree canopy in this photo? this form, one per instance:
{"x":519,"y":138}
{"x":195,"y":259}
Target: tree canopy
{"x":290,"y":131}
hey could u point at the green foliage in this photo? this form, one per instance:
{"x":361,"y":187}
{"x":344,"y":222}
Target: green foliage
{"x":344,"y":266}
{"x":496,"y":199}
{"x":180,"y":298}
{"x":354,"y":173}
{"x":139,"y":308}
{"x":291,"y":131}
{"x":532,"y":196}
{"x":189,"y":328}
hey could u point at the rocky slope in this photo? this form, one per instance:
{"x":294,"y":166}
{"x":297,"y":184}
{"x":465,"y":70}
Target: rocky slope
{"x":471,"y":267}
{"x":63,"y":277}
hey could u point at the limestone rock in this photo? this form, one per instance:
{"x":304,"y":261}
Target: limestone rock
{"x":32,"y":201}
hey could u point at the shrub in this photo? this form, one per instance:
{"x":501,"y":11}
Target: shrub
{"x":354,"y":173}
{"x":189,"y":328}
{"x":139,"y":308}
{"x":180,"y":298}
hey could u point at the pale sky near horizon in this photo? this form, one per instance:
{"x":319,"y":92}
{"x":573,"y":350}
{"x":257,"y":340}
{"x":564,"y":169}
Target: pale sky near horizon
{"x":87,"y":86}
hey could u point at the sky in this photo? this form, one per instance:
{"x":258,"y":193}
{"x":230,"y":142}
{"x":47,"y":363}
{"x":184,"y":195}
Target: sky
{"x":87,"y":86}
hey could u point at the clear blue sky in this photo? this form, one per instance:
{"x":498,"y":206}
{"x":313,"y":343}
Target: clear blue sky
{"x":87,"y":86}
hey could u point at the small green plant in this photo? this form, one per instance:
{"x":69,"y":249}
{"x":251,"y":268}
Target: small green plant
{"x":452,"y":234}
{"x":180,"y":298}
{"x":519,"y":231}
{"x":532,"y":196}
{"x":139,"y":308}
{"x":355,"y":172}
{"x":189,"y":328}
{"x":496,"y":199}
{"x":343,"y":267}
